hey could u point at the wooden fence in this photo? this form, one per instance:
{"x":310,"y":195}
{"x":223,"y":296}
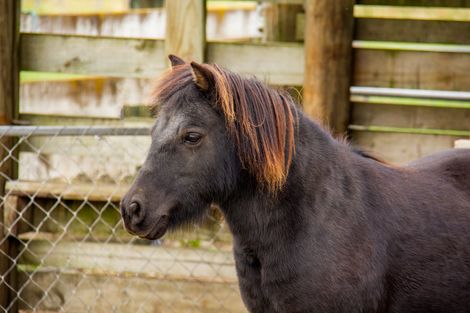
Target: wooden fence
{"x":397,"y":49}
{"x":394,"y":46}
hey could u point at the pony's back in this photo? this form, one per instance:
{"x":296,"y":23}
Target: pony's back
{"x":451,"y":165}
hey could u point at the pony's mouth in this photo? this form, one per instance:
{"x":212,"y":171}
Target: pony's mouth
{"x":158,"y":230}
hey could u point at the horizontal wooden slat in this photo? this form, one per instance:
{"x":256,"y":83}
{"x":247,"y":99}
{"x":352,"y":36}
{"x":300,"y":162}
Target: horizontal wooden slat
{"x":462,"y":144}
{"x":433,"y":3}
{"x":275,"y":63}
{"x":148,"y":261}
{"x":77,"y":292}
{"x":90,"y":96}
{"x":409,"y":130}
{"x":412,"y":93}
{"x":409,"y":69}
{"x":428,"y":3}
{"x":92,"y":55}
{"x":413,"y":31}
{"x":41,"y":119}
{"x":412,"y":13}
{"x":417,"y":102}
{"x":401,"y":148}
{"x":410,"y":46}
{"x":67,"y":191}
{"x":410,"y":117}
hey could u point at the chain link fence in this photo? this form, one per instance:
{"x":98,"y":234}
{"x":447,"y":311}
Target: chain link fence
{"x":70,"y":250}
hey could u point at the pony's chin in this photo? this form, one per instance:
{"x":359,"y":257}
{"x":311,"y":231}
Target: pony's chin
{"x":158,"y":230}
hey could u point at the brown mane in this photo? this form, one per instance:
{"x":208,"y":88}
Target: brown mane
{"x":260,"y":120}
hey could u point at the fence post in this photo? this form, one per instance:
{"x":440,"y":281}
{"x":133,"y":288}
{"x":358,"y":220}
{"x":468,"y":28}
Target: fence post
{"x":328,"y":54}
{"x":9,"y":84}
{"x":186,"y":29}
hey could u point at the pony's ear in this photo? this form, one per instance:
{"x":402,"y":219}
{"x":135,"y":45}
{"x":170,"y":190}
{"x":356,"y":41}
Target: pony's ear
{"x":201,"y":76}
{"x":175,"y":60}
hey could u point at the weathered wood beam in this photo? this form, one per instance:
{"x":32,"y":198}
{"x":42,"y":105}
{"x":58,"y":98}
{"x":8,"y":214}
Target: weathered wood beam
{"x":92,"y":55}
{"x":186,"y":29}
{"x":424,"y":3}
{"x":412,"y":13}
{"x":411,"y":69}
{"x":67,"y":191}
{"x":328,"y":61}
{"x":380,"y":64}
{"x":9,"y":82}
{"x":400,"y":30}
{"x":462,"y":143}
{"x":274,"y":63}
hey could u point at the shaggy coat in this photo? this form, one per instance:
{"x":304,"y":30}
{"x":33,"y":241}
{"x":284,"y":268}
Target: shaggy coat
{"x":317,"y":226}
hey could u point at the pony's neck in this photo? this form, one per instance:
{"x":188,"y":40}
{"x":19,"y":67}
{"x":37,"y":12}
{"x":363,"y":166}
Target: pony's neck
{"x":255,"y":216}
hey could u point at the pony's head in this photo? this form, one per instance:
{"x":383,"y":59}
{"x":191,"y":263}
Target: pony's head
{"x":213,"y":130}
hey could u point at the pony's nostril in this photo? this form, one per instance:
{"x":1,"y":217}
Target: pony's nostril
{"x":136,"y":213}
{"x":134,"y":208}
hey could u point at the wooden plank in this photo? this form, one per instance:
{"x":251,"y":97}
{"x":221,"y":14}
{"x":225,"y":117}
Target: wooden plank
{"x":401,"y":148}
{"x":280,"y":22}
{"x":410,"y":117}
{"x":328,"y":57}
{"x":398,"y":30}
{"x":139,"y":4}
{"x":462,"y":144}
{"x":280,"y":64}
{"x":408,"y":101}
{"x":40,"y":119}
{"x":274,"y":63}
{"x":414,"y":70}
{"x":90,"y":97}
{"x":92,"y":55}
{"x":76,"y":191}
{"x":90,"y":146}
{"x":9,"y":86}
{"x":78,"y":292}
{"x":410,"y":130}
{"x":15,"y":214}
{"x":424,"y":3}
{"x":410,"y":46}
{"x":412,"y":13}
{"x":282,"y":1}
{"x":413,"y":31}
{"x":126,"y":259}
{"x":186,"y":29}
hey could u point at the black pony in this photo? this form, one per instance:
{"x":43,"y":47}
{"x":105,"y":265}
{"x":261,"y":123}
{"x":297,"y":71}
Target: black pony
{"x":317,"y":226}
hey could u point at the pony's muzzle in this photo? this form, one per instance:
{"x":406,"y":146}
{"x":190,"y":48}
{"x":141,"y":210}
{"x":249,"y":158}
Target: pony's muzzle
{"x":140,"y":220}
{"x":133,"y":216}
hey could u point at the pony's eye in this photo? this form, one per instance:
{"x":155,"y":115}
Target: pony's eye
{"x":192,"y":138}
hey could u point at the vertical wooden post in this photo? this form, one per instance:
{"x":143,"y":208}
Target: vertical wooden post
{"x":280,"y":21}
{"x":186,"y":29}
{"x":9,"y":84}
{"x":328,"y":54}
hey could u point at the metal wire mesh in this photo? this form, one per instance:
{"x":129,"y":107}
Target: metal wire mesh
{"x":72,"y":254}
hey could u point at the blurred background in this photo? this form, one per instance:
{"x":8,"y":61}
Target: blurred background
{"x":393,"y":76}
